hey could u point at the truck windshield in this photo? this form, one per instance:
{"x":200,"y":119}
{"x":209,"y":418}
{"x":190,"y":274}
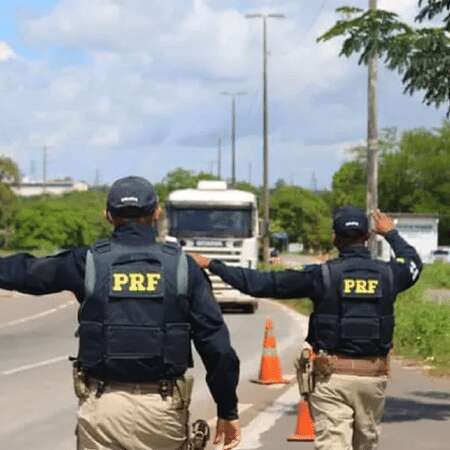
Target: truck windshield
{"x":205,"y":222}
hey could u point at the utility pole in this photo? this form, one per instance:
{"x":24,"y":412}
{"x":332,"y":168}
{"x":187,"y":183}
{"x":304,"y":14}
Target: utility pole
{"x":372,"y":137}
{"x":32,"y":170}
{"x":266,"y":192}
{"x":233,"y":96}
{"x":44,"y":169}
{"x":219,"y":159}
{"x":314,"y":187}
{"x":97,"y":177}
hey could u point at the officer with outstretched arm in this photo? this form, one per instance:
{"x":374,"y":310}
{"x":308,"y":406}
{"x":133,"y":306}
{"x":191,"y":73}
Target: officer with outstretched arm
{"x":351,"y":327}
{"x":141,"y":304}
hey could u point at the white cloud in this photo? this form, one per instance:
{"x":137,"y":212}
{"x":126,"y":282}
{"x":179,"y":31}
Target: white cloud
{"x":6,"y":52}
{"x":145,"y":94}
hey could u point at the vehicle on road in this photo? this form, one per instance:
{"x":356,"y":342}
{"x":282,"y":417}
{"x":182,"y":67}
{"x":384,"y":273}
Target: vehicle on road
{"x":219,"y":223}
{"x":441,"y":254}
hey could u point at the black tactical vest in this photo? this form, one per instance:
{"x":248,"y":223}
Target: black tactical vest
{"x":355,"y":316}
{"x":134,"y":320}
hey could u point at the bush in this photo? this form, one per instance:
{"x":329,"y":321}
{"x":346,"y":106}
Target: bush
{"x":50,"y":223}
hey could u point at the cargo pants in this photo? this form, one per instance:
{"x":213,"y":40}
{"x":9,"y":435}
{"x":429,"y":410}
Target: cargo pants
{"x":347,"y":411}
{"x":134,"y":417}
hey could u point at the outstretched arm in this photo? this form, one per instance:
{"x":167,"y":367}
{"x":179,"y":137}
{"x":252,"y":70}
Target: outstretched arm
{"x":283,"y":284}
{"x":38,"y":276}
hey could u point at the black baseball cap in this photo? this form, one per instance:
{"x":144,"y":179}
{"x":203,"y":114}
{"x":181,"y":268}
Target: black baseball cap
{"x":131,"y":197}
{"x":350,"y":221}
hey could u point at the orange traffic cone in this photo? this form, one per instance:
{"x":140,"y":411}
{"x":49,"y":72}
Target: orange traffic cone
{"x":270,"y":369}
{"x":305,"y":426}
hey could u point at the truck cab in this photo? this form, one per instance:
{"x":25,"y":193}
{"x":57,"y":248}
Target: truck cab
{"x":219,"y":223}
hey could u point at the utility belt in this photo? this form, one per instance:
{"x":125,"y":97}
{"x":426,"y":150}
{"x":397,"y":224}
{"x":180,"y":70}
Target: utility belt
{"x":165,"y":388}
{"x":311,"y":366}
{"x":84,"y":384}
{"x":374,"y":366}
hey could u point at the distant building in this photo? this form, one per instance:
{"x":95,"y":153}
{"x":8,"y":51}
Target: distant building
{"x":419,"y":230}
{"x":52,"y":187}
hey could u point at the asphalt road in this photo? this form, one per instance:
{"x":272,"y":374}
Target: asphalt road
{"x":38,"y":407}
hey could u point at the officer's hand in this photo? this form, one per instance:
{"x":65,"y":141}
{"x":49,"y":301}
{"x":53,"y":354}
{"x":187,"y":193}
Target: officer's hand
{"x":383,"y":224}
{"x":228,"y":434}
{"x":202,"y":261}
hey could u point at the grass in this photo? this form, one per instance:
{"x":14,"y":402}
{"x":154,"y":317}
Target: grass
{"x":422,"y":326}
{"x":422,"y":330}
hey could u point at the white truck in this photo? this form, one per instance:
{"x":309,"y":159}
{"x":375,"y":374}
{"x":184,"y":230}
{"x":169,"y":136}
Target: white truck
{"x":219,"y":223}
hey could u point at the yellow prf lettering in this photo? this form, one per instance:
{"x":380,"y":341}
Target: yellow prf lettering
{"x":152,"y":281}
{"x":372,"y":286}
{"x":120,"y":280}
{"x":361,"y":287}
{"x":137,"y":281}
{"x":349,"y":285}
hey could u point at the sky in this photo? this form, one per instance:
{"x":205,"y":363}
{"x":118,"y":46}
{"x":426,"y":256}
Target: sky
{"x":134,"y":87}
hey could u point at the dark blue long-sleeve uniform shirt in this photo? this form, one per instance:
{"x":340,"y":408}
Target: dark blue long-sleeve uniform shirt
{"x":65,"y":271}
{"x":406,"y":267}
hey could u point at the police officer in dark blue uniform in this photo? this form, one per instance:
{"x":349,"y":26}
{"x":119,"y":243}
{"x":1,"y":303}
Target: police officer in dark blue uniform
{"x":352,"y":324}
{"x":141,"y":304}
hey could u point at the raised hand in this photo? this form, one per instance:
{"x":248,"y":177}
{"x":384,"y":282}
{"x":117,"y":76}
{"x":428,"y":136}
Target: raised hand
{"x":383,"y":224}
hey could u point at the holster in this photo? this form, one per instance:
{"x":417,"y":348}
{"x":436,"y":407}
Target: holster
{"x":304,"y":365}
{"x":182,"y":392}
{"x":80,"y":385}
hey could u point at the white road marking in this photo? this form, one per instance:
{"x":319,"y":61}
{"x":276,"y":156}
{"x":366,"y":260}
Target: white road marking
{"x":37,"y":316}
{"x":251,"y":434}
{"x":47,"y":362}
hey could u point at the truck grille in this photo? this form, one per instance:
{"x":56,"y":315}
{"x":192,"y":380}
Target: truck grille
{"x":230,"y":256}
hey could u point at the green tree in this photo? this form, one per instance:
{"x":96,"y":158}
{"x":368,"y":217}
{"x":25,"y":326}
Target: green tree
{"x":414,"y":176}
{"x":420,"y":55}
{"x":50,"y":223}
{"x":303,"y":215}
{"x":349,"y":185}
{"x":417,"y":177}
{"x":9,"y":172}
{"x":180,"y":179}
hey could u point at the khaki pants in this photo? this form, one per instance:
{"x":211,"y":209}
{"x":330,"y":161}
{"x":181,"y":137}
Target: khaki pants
{"x":128,"y":417}
{"x":347,"y":411}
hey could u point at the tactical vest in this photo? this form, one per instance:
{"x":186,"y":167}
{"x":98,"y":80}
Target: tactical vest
{"x":134,"y":319}
{"x":355,"y":316}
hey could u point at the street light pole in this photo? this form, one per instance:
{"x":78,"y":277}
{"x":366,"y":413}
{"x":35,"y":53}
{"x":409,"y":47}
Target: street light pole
{"x":44,"y":168}
{"x":266,"y":192}
{"x":233,"y":140}
{"x":233,"y":96}
{"x":372,"y":137}
{"x":219,"y":159}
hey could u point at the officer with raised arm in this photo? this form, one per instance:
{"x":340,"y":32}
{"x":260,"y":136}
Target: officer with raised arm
{"x":141,"y":304}
{"x":352,"y":324}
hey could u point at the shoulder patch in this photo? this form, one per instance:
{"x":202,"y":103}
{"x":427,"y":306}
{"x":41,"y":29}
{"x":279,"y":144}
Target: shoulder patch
{"x":400,"y":260}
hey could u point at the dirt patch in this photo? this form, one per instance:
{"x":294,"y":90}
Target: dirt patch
{"x":441,"y":296}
